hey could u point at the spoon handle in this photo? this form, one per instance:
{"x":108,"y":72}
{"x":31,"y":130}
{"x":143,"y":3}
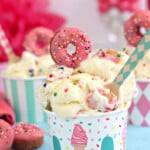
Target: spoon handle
{"x":134,"y":58}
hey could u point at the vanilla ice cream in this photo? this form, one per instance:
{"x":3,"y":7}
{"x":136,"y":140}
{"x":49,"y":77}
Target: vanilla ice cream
{"x":70,"y":92}
{"x":142,"y":70}
{"x":29,"y":66}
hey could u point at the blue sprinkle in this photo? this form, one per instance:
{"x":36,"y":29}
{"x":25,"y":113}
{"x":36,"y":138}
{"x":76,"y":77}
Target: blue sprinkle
{"x":31,"y":70}
{"x":62,"y":68}
{"x":44,"y":84}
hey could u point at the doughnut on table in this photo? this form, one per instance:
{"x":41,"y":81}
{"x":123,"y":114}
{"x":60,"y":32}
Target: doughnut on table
{"x":138,"y":138}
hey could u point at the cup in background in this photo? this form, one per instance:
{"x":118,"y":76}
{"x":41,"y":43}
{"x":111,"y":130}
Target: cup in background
{"x":22,"y":96}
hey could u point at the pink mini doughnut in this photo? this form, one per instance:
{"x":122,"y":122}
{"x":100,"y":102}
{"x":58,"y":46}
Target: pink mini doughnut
{"x":37,"y":40}
{"x":6,"y":135}
{"x":27,"y":136}
{"x":60,"y":42}
{"x":133,"y":26}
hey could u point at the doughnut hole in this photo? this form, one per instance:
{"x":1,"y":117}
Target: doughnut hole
{"x":71,"y":49}
{"x":142,"y":30}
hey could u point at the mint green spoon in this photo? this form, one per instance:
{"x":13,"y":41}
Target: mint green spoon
{"x":131,"y":63}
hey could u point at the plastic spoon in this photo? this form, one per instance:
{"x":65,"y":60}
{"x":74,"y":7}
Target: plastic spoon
{"x":131,"y":63}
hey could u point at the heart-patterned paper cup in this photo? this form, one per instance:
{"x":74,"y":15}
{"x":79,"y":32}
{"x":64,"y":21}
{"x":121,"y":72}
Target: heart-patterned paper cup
{"x":139,"y":111}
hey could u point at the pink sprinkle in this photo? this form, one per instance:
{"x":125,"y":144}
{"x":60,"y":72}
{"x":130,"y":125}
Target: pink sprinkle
{"x":98,"y":120}
{"x":61,"y":125}
{"x":107,"y":118}
{"x":105,"y":127}
{"x":103,"y":54}
{"x":90,"y":131}
{"x":50,"y":75}
{"x":66,"y":90}
{"x":97,"y":145}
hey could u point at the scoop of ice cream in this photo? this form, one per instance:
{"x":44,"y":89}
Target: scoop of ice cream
{"x":143,"y":67}
{"x":70,"y":92}
{"x":29,"y":66}
{"x":105,"y":64}
{"x":127,"y":49}
{"x":58,"y":72}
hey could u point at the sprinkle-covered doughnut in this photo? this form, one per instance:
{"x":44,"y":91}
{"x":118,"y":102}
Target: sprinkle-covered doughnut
{"x":61,"y":41}
{"x":6,"y":135}
{"x":136,"y":25}
{"x":27,"y":136}
{"x":37,"y":40}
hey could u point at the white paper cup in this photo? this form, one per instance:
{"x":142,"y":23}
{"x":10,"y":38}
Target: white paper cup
{"x":139,"y":111}
{"x":22,"y":95}
{"x":106,"y":131}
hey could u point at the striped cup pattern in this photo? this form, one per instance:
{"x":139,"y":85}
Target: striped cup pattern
{"x":22,"y":95}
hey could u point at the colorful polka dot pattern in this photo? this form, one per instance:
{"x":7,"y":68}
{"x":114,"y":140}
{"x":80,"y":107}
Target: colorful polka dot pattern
{"x":100,"y":131}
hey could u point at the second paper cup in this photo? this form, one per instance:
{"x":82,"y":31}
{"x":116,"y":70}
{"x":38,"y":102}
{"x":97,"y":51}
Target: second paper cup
{"x":22,"y":96}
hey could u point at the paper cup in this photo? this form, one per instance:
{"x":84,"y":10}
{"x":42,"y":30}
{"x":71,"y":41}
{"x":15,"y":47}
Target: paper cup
{"x":22,"y":96}
{"x":139,"y":112}
{"x":106,"y":131}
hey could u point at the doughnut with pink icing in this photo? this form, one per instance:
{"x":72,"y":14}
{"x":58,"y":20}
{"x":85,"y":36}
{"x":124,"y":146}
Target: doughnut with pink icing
{"x":37,"y":40}
{"x":6,"y":135}
{"x":135,"y":24}
{"x":61,"y":41}
{"x":27,"y":136}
